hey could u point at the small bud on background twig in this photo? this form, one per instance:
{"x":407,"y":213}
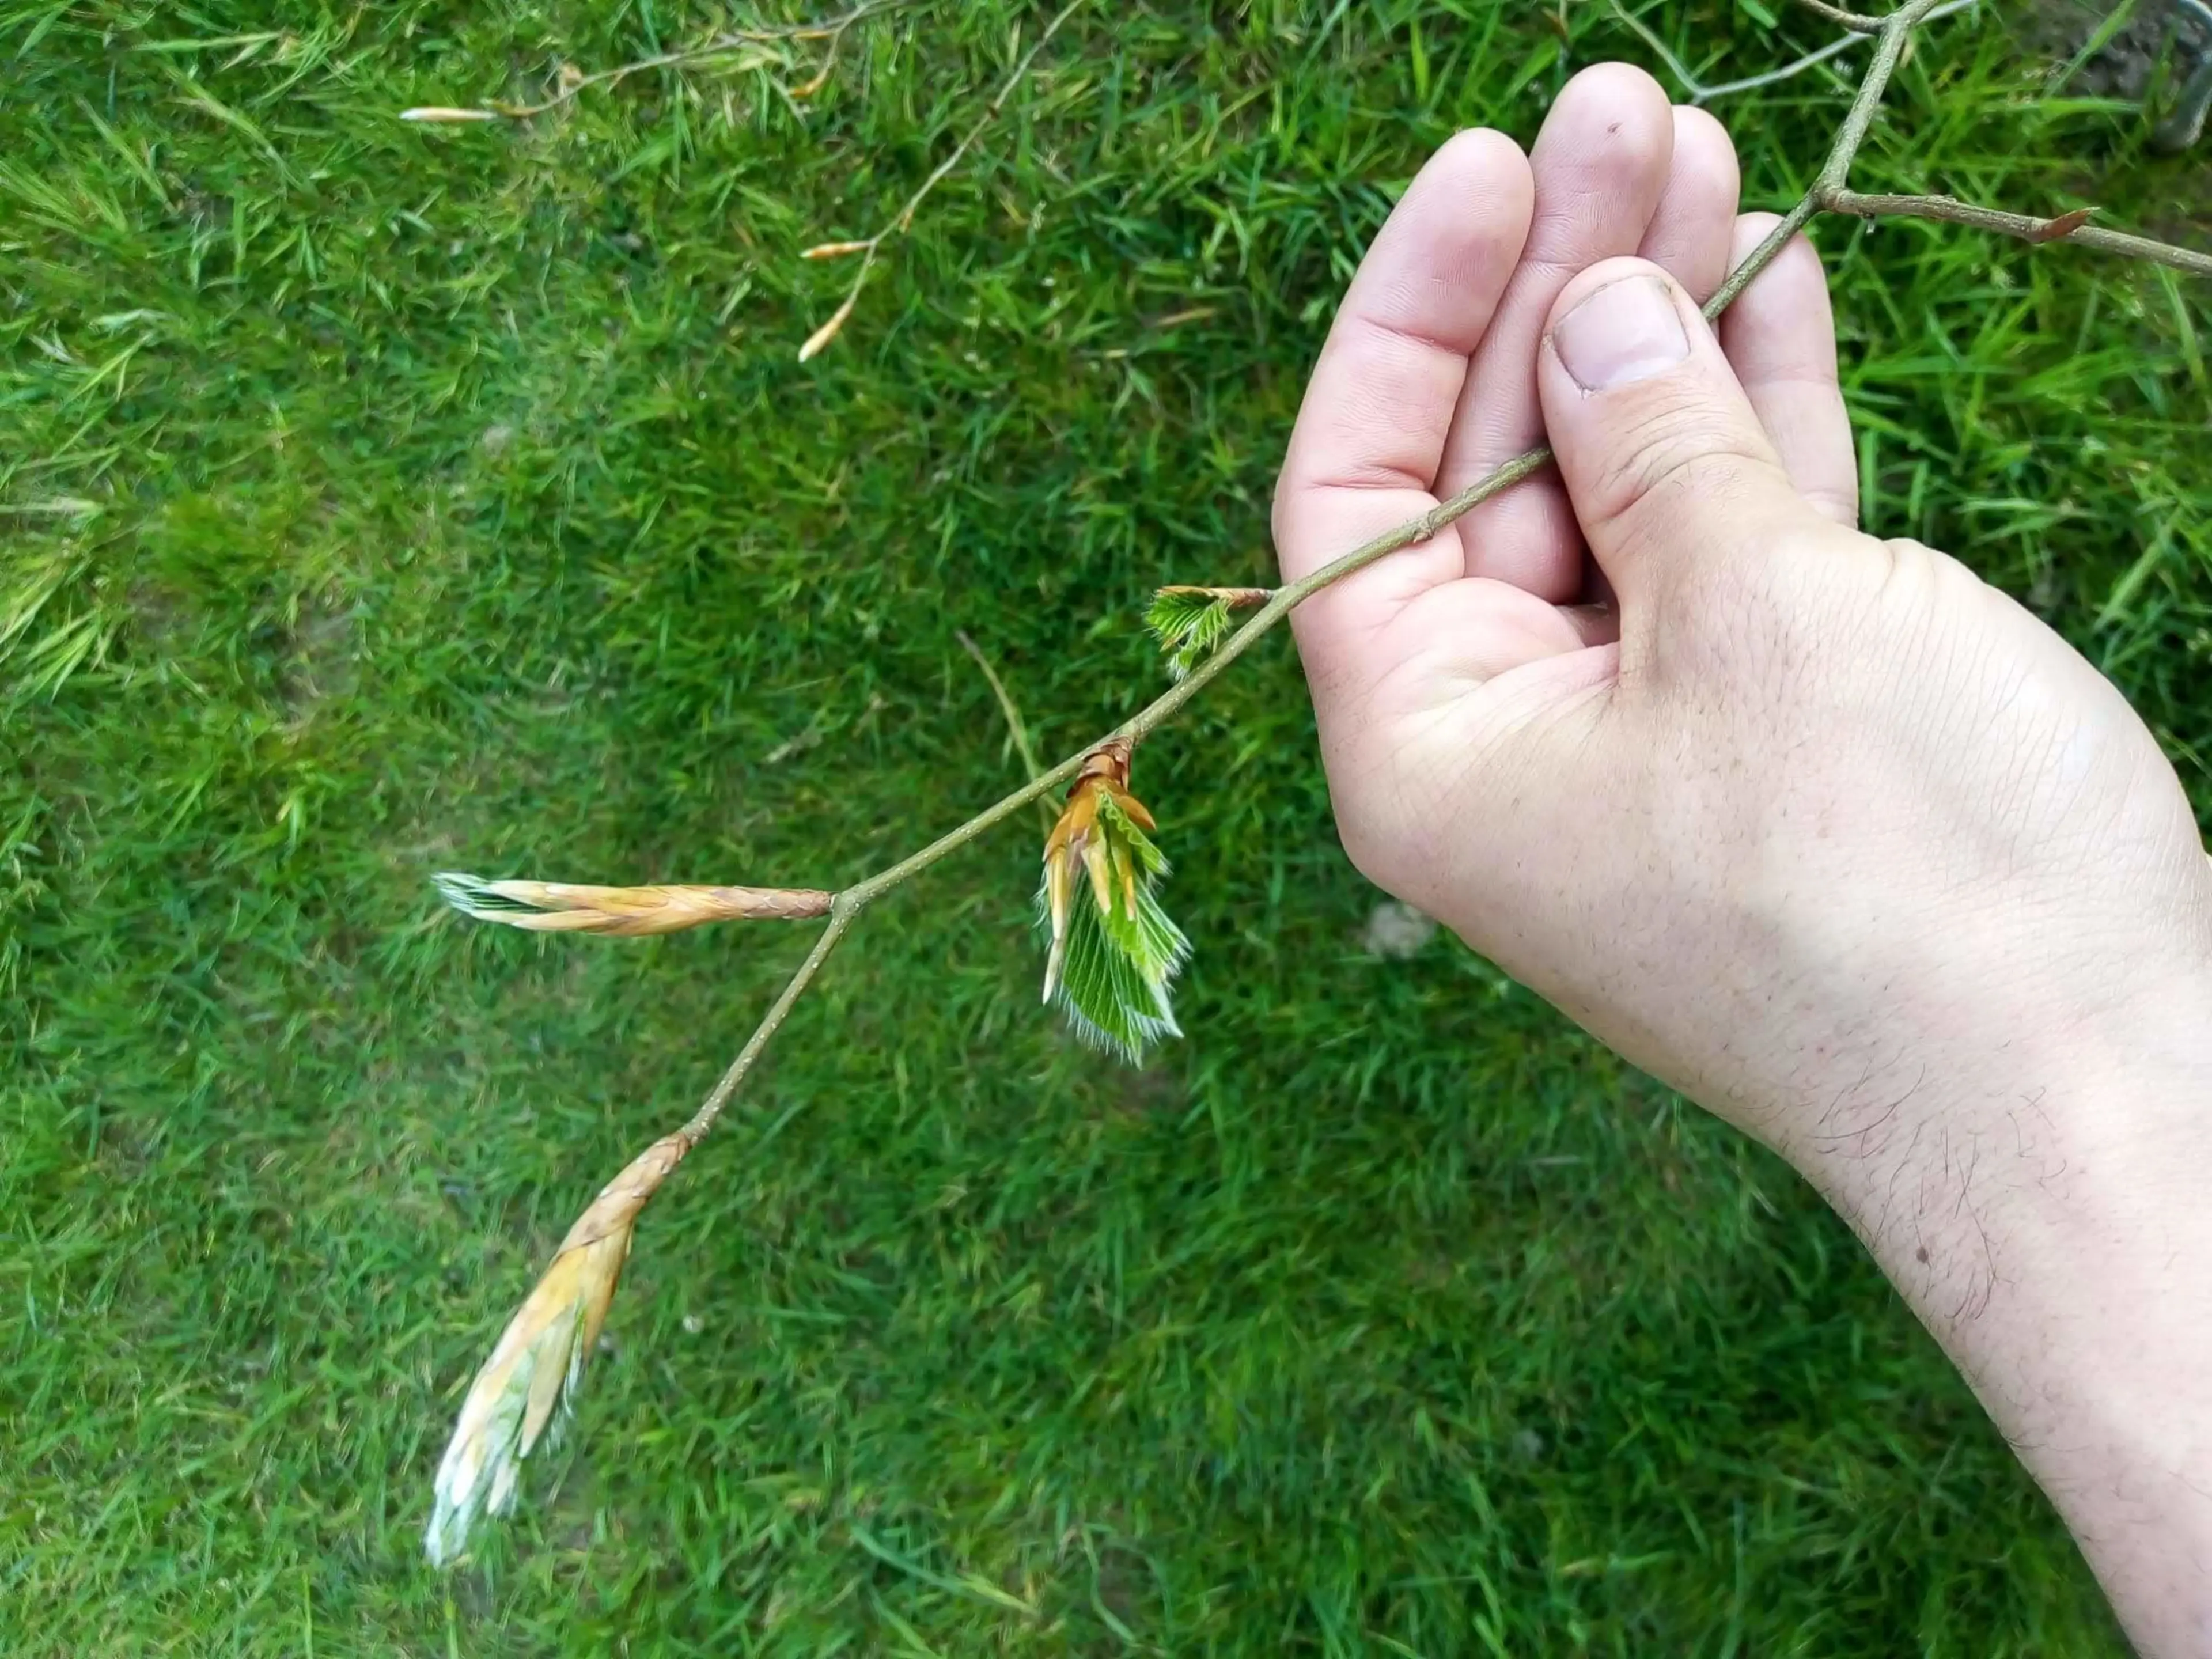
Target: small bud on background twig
{"x":560,"y":907}
{"x":529,"y":1385}
{"x":2062,"y":227}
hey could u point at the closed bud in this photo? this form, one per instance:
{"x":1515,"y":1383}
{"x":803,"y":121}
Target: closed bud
{"x":560,"y":907}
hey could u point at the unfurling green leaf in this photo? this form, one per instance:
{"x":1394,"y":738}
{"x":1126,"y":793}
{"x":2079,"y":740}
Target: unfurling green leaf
{"x":1111,"y":951}
{"x":1117,"y":958}
{"x":1188,"y":624}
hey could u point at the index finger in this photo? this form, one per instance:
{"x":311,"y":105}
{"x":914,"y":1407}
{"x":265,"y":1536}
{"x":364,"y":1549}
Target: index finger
{"x":1370,"y":431}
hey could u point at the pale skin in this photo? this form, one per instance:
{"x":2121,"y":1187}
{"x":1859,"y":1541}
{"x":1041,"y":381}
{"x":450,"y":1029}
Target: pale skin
{"x":1818,"y":827}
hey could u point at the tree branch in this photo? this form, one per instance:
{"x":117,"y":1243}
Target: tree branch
{"x":2066,"y":227}
{"x":1829,"y":192}
{"x":843,"y":912}
{"x":1889,"y":46}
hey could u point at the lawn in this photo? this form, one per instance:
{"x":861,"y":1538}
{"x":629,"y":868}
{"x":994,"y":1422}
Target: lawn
{"x":377,"y":499}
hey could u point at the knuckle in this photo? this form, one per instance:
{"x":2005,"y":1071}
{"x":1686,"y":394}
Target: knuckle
{"x":1677,"y":467}
{"x":1914,"y":573}
{"x":1767,"y":624}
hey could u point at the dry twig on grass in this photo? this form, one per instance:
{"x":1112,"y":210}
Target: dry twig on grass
{"x":571,"y":82}
{"x":902,"y":220}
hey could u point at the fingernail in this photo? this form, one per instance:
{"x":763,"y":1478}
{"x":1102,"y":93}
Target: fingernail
{"x":1627,"y":331}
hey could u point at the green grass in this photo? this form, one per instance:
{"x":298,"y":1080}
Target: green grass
{"x":378,"y":499}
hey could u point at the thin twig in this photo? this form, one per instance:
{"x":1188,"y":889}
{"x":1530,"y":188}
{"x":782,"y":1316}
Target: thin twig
{"x":1237,"y":598}
{"x":900,"y":223}
{"x":842,"y":916}
{"x":2066,"y":227}
{"x":1831,"y":193}
{"x":1858,"y":118}
{"x":1775,"y":239}
{"x":1700,"y":93}
{"x":1858,"y":22}
{"x":1698,"y":90}
{"x":1015,"y":728}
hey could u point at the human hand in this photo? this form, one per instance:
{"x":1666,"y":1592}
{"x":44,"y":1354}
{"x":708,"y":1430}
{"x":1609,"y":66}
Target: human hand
{"x":1818,"y":827}
{"x":1802,"y":814}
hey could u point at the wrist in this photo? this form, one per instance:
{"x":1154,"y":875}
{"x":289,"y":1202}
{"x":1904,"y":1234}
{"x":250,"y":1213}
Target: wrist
{"x":2061,"y":1251}
{"x":2042,"y":1178}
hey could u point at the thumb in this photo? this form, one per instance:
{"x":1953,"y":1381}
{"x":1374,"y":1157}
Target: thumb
{"x":1664,"y":458}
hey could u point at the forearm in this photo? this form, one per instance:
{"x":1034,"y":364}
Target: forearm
{"x":2057,"y":1240}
